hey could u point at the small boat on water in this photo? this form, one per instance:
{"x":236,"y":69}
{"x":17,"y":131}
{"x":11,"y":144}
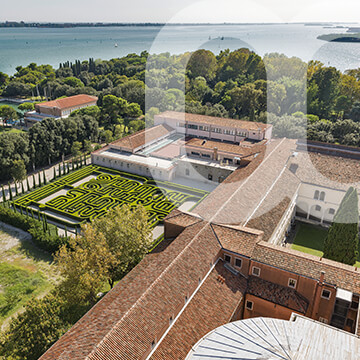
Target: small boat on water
{"x":116,"y":45}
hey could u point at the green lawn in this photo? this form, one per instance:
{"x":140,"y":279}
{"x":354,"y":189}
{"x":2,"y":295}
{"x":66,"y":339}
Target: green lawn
{"x":310,"y":239}
{"x":18,"y":285}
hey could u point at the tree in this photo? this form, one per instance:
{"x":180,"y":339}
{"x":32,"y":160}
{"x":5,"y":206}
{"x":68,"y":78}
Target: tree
{"x":26,"y":106}
{"x":128,"y":236}
{"x":202,"y":63}
{"x":76,"y":149}
{"x":7,"y":113}
{"x":84,"y":265}
{"x":33,"y":331}
{"x":342,"y":241}
{"x":87,"y":146}
{"x":18,"y":171}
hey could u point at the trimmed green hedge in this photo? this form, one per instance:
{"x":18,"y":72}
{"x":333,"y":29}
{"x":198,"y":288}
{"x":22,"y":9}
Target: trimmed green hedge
{"x":44,"y":239}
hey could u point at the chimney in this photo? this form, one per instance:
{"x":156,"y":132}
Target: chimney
{"x":215,"y":153}
{"x":322,"y":277}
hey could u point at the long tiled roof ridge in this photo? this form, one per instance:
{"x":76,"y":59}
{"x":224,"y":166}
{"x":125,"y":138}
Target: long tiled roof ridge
{"x":213,"y":305}
{"x":341,"y":275}
{"x":213,"y":120}
{"x":278,"y":294}
{"x":69,"y":102}
{"x":156,"y":287}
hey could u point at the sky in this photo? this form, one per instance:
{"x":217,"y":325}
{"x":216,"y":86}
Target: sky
{"x":213,"y":11}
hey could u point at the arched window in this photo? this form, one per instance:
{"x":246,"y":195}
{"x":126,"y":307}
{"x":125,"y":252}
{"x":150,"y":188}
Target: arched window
{"x":322,"y":196}
{"x":317,"y":208}
{"x":316,"y":195}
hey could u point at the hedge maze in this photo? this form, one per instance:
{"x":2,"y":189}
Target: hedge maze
{"x":106,"y":190}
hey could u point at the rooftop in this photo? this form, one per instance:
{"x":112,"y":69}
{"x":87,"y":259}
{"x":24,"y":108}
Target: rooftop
{"x":277,"y":294}
{"x":265,"y":338}
{"x":142,"y":137}
{"x":69,"y":102}
{"x":216,"y":121}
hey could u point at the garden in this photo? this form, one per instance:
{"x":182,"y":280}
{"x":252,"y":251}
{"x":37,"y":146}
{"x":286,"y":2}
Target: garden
{"x":92,"y":191}
{"x":310,"y":239}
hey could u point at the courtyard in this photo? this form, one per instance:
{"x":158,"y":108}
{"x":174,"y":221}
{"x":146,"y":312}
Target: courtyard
{"x":310,"y":239}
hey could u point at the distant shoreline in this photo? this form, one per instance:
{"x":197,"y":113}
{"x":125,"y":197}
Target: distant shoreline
{"x":22,"y":24}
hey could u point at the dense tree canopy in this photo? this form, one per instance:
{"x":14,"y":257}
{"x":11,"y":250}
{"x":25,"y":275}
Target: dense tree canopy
{"x":342,"y":241}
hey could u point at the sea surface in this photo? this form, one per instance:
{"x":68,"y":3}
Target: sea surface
{"x":21,"y":46}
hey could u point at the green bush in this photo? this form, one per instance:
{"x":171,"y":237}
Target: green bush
{"x":44,"y":239}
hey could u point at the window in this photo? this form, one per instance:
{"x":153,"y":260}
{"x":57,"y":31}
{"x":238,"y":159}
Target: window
{"x":323,"y":320}
{"x":228,"y":160}
{"x":241,"y":133}
{"x":171,"y":320}
{"x":128,"y":165}
{"x":292,"y":283}
{"x":238,"y":263}
{"x":331,"y":211}
{"x":210,"y":177}
{"x":203,"y":128}
{"x":354,"y":305}
{"x":249,"y":305}
{"x":316,"y":195}
{"x":227,"y":258}
{"x":205,"y":155}
{"x":349,"y":323}
{"x":256,"y":271}
{"x":317,"y":208}
{"x":187,"y":172}
{"x":322,"y":196}
{"x":186,"y":299}
{"x":216,"y":130}
{"x":195,"y":153}
{"x":194,"y":127}
{"x":229,"y":132}
{"x":325,"y":294}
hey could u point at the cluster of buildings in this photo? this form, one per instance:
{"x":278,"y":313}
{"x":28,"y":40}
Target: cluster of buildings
{"x":223,"y":284}
{"x":59,"y":108}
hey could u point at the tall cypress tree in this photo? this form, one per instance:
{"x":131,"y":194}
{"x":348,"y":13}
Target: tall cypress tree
{"x":10,"y":192}
{"x":34,"y":182}
{"x":44,"y":176}
{"x":342,"y":241}
{"x":27,"y":184}
{"x":39,"y":178}
{"x":3,"y":194}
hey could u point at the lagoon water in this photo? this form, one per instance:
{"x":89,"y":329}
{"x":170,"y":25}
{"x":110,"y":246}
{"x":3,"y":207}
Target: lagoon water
{"x":21,"y":46}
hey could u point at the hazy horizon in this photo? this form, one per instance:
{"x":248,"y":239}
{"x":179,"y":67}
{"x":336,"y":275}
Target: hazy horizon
{"x":188,"y":11}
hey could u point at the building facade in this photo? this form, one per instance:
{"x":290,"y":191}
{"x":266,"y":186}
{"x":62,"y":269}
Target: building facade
{"x":59,"y":108}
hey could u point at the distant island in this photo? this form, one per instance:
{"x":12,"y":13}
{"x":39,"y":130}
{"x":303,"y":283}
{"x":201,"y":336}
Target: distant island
{"x":355,"y":38}
{"x":22,"y":24}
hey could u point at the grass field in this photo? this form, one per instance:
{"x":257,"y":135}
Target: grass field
{"x":310,"y":239}
{"x":25,"y":271}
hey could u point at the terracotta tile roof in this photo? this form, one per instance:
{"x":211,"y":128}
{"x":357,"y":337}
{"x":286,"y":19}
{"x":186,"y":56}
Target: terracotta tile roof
{"x":181,"y":218}
{"x":237,"y":239}
{"x":216,"y":121}
{"x":224,"y":147}
{"x":142,"y":137}
{"x":212,"y":306}
{"x":344,"y":276}
{"x":69,"y":102}
{"x":234,"y":202}
{"x":327,"y":170}
{"x":137,"y":311}
{"x":277,"y":294}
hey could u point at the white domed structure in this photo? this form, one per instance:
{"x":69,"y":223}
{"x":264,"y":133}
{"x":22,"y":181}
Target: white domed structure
{"x":299,"y":338}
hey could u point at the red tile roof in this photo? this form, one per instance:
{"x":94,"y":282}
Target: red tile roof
{"x":69,"y":102}
{"x":126,"y":321}
{"x":277,"y":294}
{"x":216,"y":121}
{"x":212,"y":306}
{"x":345,"y":276}
{"x":237,"y":239}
